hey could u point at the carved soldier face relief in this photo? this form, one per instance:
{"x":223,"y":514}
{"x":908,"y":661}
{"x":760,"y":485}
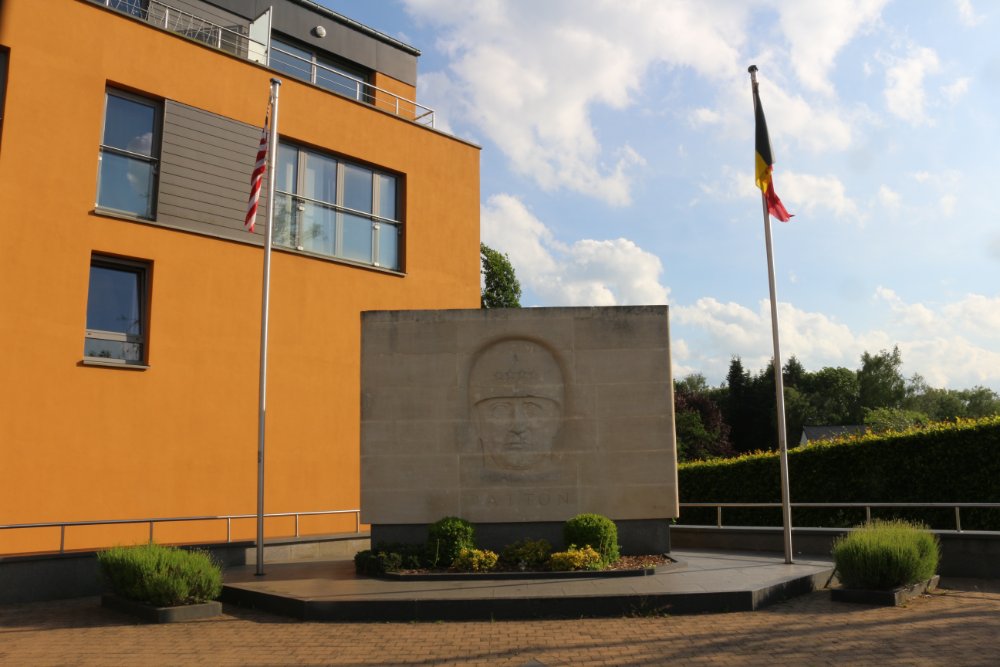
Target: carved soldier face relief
{"x":517,"y":432}
{"x":516,"y":393}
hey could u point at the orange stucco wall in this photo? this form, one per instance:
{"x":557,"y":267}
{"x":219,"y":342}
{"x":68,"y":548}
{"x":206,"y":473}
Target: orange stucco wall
{"x":404,"y":93}
{"x":180,"y":439}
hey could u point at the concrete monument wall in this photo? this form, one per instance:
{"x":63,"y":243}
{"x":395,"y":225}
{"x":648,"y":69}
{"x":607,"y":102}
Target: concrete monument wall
{"x":517,"y":415}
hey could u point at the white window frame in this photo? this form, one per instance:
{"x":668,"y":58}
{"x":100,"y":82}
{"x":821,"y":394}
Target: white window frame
{"x":375,"y":216}
{"x":153,"y":159}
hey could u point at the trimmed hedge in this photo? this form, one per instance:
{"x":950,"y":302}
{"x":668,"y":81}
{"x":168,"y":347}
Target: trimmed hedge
{"x":946,"y":462}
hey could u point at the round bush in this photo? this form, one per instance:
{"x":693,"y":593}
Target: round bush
{"x":447,"y":537}
{"x":596,"y":531}
{"x":883,"y":555}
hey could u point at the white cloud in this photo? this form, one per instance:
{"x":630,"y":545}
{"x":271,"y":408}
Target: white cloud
{"x":809,"y":193}
{"x":948,"y":204}
{"x":951,"y":346}
{"x":916,"y":315}
{"x":947,"y":179}
{"x":967,"y":13}
{"x":889,"y":198}
{"x":904,"y":92}
{"x":703,"y":116}
{"x":528,"y":76}
{"x":801,"y":193}
{"x":730,"y":328}
{"x":585,"y":273}
{"x":977,"y":315}
{"x":815,"y":128}
{"x":954,"y":91}
{"x":817,"y":31}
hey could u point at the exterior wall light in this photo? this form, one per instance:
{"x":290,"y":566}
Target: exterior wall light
{"x":319,"y":31}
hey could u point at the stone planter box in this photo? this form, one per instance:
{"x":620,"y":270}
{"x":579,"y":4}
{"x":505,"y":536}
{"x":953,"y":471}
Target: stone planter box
{"x":151,"y":614}
{"x":890,"y":598}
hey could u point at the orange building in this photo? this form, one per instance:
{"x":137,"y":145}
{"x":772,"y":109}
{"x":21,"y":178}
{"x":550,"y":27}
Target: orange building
{"x":130,"y":295}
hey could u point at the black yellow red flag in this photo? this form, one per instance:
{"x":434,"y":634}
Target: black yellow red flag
{"x":765,"y":162}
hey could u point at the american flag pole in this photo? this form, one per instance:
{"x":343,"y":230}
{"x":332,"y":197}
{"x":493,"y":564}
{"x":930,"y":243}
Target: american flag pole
{"x":271,"y":150}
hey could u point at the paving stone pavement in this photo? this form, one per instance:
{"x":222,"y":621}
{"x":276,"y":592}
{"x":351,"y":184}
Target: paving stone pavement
{"x":959,"y":625}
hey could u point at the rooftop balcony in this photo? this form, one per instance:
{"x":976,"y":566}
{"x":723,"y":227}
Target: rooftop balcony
{"x":252,"y":41}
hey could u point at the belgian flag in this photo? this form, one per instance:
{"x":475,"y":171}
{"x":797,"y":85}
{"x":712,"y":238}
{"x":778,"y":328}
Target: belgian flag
{"x":765,"y":163}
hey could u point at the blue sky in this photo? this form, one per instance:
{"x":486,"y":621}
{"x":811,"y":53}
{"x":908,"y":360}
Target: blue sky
{"x":617,"y":166}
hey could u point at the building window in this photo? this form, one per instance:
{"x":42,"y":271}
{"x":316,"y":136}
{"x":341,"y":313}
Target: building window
{"x":129,"y":155}
{"x":335,"y":208}
{"x":315,"y":68}
{"x":117,"y":311}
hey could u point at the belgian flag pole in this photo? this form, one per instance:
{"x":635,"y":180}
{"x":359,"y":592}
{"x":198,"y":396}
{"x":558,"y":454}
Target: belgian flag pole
{"x":773,"y":206}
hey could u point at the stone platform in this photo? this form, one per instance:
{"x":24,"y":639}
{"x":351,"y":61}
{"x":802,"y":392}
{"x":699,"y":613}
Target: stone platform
{"x":705,"y":581}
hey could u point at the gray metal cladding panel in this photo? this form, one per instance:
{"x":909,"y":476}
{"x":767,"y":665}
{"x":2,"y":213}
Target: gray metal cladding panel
{"x":205,"y":166}
{"x":355,"y":45}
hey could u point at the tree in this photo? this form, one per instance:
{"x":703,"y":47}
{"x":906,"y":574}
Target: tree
{"x":833,"y":396}
{"x":501,"y":288}
{"x":794,"y":373}
{"x":880,"y":420}
{"x":950,"y":404}
{"x":880,"y":382}
{"x":980,"y":402}
{"x":702,"y":433}
{"x":695,"y":383}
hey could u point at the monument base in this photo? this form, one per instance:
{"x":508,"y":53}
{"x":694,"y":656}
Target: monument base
{"x":636,"y":536}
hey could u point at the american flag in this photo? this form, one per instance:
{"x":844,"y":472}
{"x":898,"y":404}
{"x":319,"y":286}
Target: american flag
{"x":255,"y":180}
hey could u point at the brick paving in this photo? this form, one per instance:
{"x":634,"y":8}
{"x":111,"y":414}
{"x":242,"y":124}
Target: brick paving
{"x":959,"y":625}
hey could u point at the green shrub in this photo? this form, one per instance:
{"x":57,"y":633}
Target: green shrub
{"x":161,"y":576}
{"x":596,"y":531}
{"x":584,"y":558}
{"x":886,"y":555}
{"x":374,"y":563}
{"x":474,"y":560}
{"x":411,"y":556}
{"x":447,"y":537}
{"x":526,"y":554}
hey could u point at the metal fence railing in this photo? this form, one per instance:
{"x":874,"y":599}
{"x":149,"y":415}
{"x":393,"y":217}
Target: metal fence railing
{"x":236,"y":40}
{"x":153,"y":522}
{"x":956,"y":507}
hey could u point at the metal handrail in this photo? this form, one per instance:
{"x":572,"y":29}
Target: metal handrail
{"x":363,"y":91}
{"x":866,"y":506}
{"x":178,"y":21}
{"x":236,"y":42}
{"x":228,"y":518}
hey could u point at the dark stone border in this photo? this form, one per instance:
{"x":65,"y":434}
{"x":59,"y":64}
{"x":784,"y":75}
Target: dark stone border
{"x":891,"y":598}
{"x":151,"y":614}
{"x":506,"y":576}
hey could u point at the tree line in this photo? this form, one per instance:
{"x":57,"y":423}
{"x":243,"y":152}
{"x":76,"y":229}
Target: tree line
{"x":740,"y":414}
